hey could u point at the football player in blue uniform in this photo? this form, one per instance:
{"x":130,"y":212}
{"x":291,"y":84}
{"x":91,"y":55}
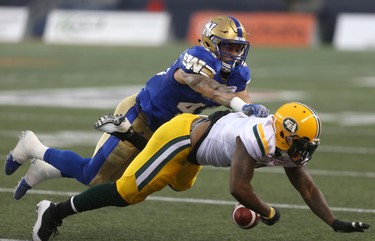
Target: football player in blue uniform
{"x":210,"y":75}
{"x":186,"y":142}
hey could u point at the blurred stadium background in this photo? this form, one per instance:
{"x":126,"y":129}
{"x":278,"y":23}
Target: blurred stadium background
{"x":325,"y":11}
{"x":60,"y":72}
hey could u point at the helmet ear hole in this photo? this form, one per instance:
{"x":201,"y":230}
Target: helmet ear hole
{"x":282,"y":134}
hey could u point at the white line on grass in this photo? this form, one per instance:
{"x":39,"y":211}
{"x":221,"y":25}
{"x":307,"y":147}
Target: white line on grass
{"x":315,"y":172}
{"x":12,"y":240}
{"x":198,"y":201}
{"x":347,"y":149}
{"x":107,"y":97}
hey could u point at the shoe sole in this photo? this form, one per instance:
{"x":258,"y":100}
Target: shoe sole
{"x":40,"y":210}
{"x":109,"y":123}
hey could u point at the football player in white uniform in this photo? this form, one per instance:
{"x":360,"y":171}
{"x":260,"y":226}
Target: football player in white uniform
{"x":209,"y":75}
{"x":188,"y":141}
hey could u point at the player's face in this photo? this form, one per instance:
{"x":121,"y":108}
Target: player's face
{"x":295,"y":156}
{"x":235,"y":49}
{"x":231,"y":49}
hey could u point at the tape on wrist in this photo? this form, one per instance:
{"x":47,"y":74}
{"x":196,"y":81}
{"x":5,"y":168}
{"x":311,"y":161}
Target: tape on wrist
{"x":236,"y":103}
{"x":272,"y":213}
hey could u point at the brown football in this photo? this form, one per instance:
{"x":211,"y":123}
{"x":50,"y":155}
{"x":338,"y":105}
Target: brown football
{"x":244,"y":217}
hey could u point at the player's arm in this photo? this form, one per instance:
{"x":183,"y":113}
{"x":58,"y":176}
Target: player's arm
{"x":206,"y":86}
{"x":241,"y":174}
{"x":305,"y":185}
{"x":244,"y":95}
{"x":314,"y":198}
{"x":221,"y":94}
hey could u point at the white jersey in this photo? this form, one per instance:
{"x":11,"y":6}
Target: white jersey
{"x":257,"y":134}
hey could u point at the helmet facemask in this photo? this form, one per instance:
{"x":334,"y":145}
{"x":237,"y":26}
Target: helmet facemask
{"x":232,"y":54}
{"x":301,"y":149}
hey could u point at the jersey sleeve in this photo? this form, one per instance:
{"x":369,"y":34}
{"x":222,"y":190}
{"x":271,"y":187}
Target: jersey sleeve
{"x":240,"y":78}
{"x":259,"y":140}
{"x":199,"y":61}
{"x":245,"y":73}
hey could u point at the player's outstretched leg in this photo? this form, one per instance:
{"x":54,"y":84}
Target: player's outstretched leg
{"x":112,"y":123}
{"x":38,"y":172}
{"x":45,"y":226}
{"x":22,"y":152}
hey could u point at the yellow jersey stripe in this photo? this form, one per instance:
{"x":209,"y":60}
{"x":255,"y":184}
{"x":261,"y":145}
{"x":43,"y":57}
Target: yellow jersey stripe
{"x":261,"y":139}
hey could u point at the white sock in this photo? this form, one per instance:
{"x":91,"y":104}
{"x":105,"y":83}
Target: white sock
{"x":38,"y":151}
{"x":40,"y":171}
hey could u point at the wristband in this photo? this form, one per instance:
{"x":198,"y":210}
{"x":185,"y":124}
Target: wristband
{"x":272,"y":213}
{"x":236,"y":103}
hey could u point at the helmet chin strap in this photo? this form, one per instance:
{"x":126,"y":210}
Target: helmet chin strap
{"x":225,"y":67}
{"x":225,"y":71}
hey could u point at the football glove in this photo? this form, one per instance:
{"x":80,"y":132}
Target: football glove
{"x":349,"y":227}
{"x":272,"y":220}
{"x":255,"y":110}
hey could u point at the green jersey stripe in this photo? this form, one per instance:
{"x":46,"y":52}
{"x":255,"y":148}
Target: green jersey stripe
{"x":160,"y":159}
{"x":259,"y":140}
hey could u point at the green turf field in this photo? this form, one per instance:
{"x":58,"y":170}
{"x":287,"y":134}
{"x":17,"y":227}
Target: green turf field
{"x":59,"y":91}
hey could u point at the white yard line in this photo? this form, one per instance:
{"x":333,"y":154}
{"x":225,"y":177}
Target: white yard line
{"x":195,"y":200}
{"x":107,"y":97}
{"x":315,"y":172}
{"x":12,"y":240}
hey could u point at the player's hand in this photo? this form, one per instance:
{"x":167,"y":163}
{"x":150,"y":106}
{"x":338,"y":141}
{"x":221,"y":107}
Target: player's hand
{"x":255,"y":110}
{"x":349,"y":227}
{"x":274,"y":219}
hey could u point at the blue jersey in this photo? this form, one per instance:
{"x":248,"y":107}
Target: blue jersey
{"x":163,"y":97}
